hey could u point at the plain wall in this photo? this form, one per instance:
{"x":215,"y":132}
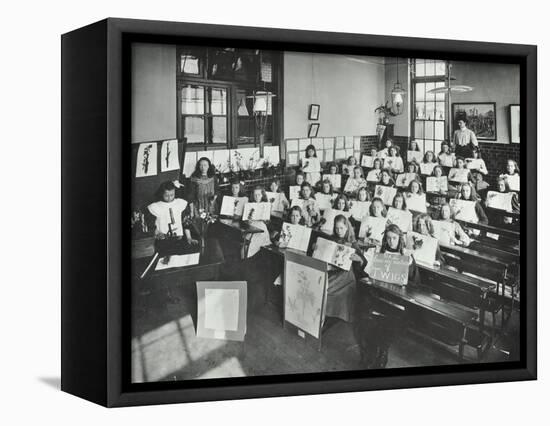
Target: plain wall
{"x":153,"y":92}
{"x":492,"y":83}
{"x":347,"y":90}
{"x":402,"y":122}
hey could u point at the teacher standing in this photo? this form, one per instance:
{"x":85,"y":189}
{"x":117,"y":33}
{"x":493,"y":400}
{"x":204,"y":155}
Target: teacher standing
{"x":464,"y":140}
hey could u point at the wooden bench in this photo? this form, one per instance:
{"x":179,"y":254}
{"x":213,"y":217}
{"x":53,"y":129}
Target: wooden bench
{"x":433,"y":318}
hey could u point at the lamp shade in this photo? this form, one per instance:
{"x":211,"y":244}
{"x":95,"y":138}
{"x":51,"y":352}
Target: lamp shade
{"x":260,"y":104}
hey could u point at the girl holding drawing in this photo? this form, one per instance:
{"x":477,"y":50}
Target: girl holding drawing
{"x":377,"y":208}
{"x":457,"y":235}
{"x":311,"y":166}
{"x":393,"y":161}
{"x":468,"y":193}
{"x":310,"y":208}
{"x":349,"y":168}
{"x":399,"y":202}
{"x":446,"y":157}
{"x":512,"y":175}
{"x":259,"y":240}
{"x":169,"y":212}
{"x":355,"y":182}
{"x":386,"y":178}
{"x":341,"y":283}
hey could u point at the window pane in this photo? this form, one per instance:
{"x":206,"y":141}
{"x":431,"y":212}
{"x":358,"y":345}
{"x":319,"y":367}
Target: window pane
{"x":419,"y":67}
{"x":221,"y":63}
{"x":420,"y":110}
{"x":439,"y":132}
{"x":428,"y":145}
{"x":440,"y":110}
{"x":192,"y":59}
{"x":420,"y":143}
{"x":219,"y":130}
{"x":440,"y":68}
{"x":419,"y":91}
{"x":218,"y":101}
{"x":440,"y":96}
{"x":429,"y":129}
{"x":430,"y":67}
{"x":192,"y":100}
{"x":419,"y":130}
{"x":430,"y":96}
{"x":430,"y":111}
{"x":193,"y":129}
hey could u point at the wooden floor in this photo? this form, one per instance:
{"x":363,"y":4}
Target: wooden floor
{"x":165,"y":347}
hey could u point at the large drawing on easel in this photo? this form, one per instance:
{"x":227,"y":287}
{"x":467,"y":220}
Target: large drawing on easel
{"x":305,"y":281}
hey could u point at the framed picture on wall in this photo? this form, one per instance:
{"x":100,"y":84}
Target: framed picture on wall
{"x":480,"y":117}
{"x":313,"y":130}
{"x":514,"y":124}
{"x":129,"y":287}
{"x":314,"y":110}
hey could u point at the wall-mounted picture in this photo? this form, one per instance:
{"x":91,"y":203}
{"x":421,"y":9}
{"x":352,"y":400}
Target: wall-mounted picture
{"x":314,"y":110}
{"x":313,"y":130}
{"x":479,"y":117}
{"x":514,"y":124}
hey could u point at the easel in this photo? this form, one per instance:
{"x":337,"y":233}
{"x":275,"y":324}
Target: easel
{"x":313,"y":335}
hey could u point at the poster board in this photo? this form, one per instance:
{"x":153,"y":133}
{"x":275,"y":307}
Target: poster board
{"x":444,"y":231}
{"x":335,"y":254}
{"x":500,"y":200}
{"x":414,"y":156}
{"x":146,"y":161}
{"x":329,"y":215}
{"x":386,"y":193}
{"x":221,"y":310}
{"x":294,"y":192}
{"x":417,"y":202}
{"x":294,"y":236}
{"x":391,"y":268}
{"x":335,"y":180}
{"x":305,"y":282}
{"x":169,"y":156}
{"x":373,"y":228}
{"x":233,"y":206}
{"x":423,"y":247}
{"x":359,"y":209}
{"x":277,"y":200}
{"x":404,"y":179}
{"x":401,"y":218}
{"x":464,"y":210}
{"x":374,"y":176}
{"x":177,"y":261}
{"x":437,"y":184}
{"x":324,"y":201}
{"x":458,"y":175}
{"x":257,"y":211}
{"x":427,"y":169}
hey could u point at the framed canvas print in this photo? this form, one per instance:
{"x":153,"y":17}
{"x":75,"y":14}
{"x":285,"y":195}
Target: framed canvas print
{"x":186,"y":136}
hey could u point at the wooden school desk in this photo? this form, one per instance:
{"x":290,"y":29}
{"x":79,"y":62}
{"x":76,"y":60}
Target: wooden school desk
{"x":433,"y":318}
{"x":243,"y":229}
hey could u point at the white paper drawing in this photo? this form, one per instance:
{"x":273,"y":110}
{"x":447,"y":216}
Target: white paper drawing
{"x":386,"y":193}
{"x":437,"y":184}
{"x":294,"y":192}
{"x":423,"y":247}
{"x":404,"y":179}
{"x":324,"y":201}
{"x":295,"y":236}
{"x":417,"y":202}
{"x":292,"y":145}
{"x":444,"y":231}
{"x":233,"y":206}
{"x":500,"y":200}
{"x":177,"y":261}
{"x":221,"y":309}
{"x":374,"y":175}
{"x":458,"y":175}
{"x":373,"y":228}
{"x":464,"y":210}
{"x":414,"y":155}
{"x":189,"y":163}
{"x":401,"y":218}
{"x":359,"y":209}
{"x":304,"y":296}
{"x":335,"y":254}
{"x":340,"y":142}
{"x":336,"y":180}
{"x":169,"y":157}
{"x":146,"y":164}
{"x":427,"y":168}
{"x":257,"y":211}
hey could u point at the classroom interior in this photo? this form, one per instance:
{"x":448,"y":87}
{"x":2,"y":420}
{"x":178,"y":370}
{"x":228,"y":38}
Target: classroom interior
{"x":257,"y":115}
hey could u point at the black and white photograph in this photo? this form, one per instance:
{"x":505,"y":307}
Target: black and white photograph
{"x":249,"y":260}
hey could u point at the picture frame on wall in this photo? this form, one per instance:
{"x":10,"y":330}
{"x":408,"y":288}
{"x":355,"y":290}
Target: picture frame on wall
{"x":313,"y":130}
{"x":314,"y":110}
{"x":481,"y":118}
{"x":129,"y":328}
{"x":515,"y":129}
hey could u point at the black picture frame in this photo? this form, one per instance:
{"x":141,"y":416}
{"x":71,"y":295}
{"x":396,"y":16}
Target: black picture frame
{"x":313,"y":130}
{"x":314,"y":111}
{"x":95,"y":331}
{"x":481,"y":132}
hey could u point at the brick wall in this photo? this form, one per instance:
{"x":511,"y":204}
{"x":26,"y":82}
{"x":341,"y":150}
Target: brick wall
{"x":496,"y":155}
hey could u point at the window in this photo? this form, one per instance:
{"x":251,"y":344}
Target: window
{"x":215,"y":88}
{"x":429,"y":111}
